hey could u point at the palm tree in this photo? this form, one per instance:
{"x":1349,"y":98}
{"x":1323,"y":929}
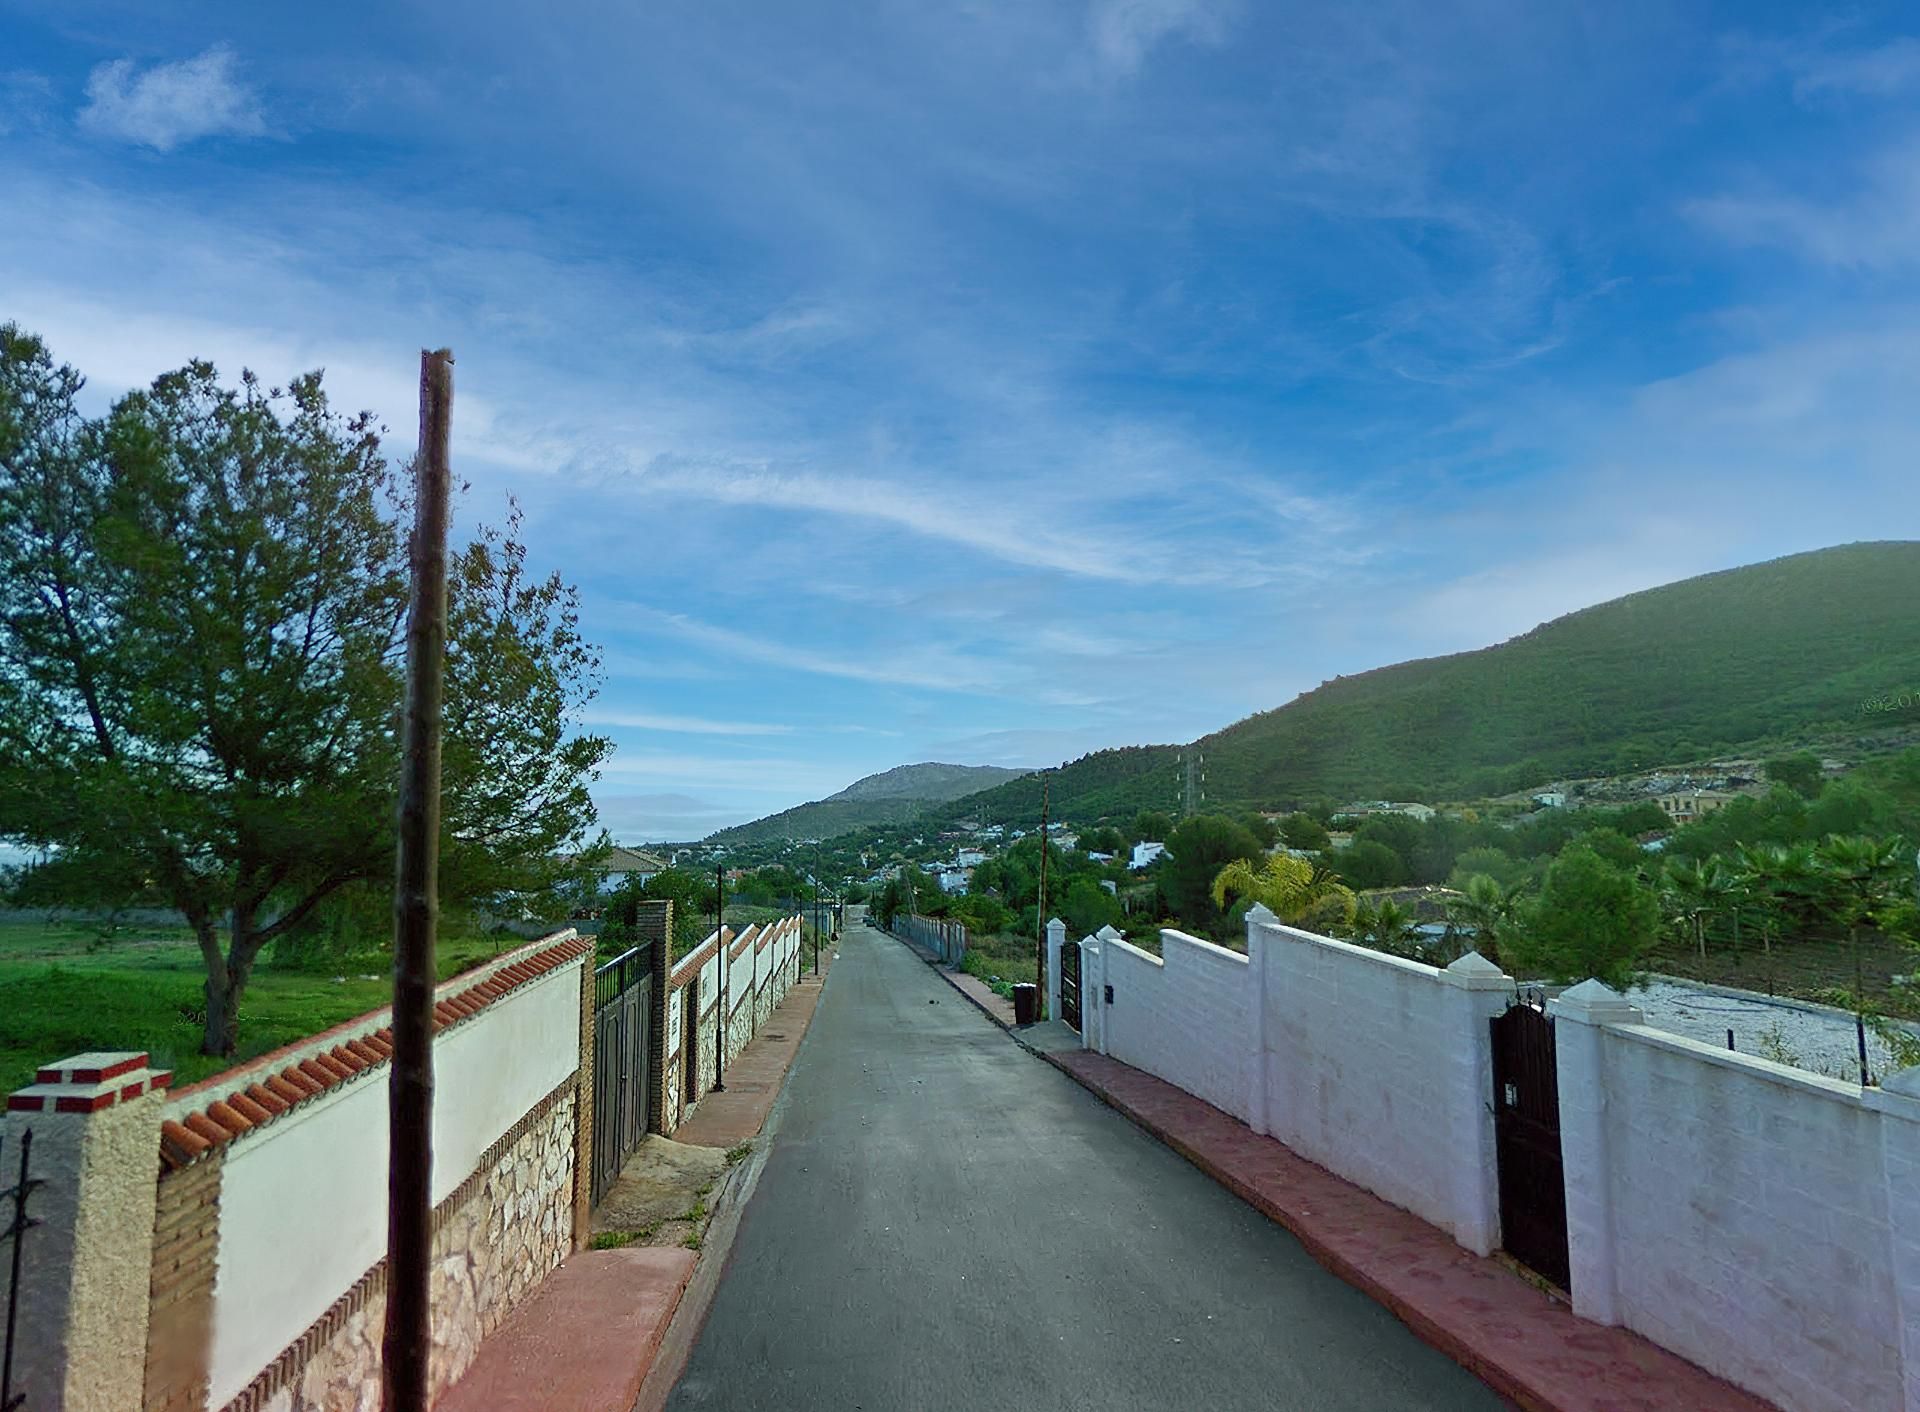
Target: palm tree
{"x":1386,"y":926}
{"x":1691,"y":890}
{"x":1297,"y":891}
{"x":1866,"y":876}
{"x":1774,"y":874}
{"x":1488,"y":911}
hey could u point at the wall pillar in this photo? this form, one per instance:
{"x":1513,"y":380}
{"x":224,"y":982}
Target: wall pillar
{"x":1480,"y":991}
{"x":1259,"y":918}
{"x":583,"y":1111}
{"x":653,"y":922}
{"x":1897,"y":1100}
{"x":1056,"y":939}
{"x":86,"y":1267}
{"x":1580,"y":1019}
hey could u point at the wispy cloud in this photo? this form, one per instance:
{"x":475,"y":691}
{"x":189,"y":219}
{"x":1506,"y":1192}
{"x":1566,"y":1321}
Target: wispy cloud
{"x":1124,"y":32}
{"x":679,"y":725}
{"x":1875,"y":225}
{"x":168,"y":104}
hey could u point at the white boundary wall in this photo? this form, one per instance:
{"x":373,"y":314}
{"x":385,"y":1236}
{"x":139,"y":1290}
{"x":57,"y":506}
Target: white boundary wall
{"x":1762,"y":1221}
{"x":303,"y":1202}
{"x":1756,"y":1218}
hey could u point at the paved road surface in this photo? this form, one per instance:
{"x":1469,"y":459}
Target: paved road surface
{"x":946,"y":1222}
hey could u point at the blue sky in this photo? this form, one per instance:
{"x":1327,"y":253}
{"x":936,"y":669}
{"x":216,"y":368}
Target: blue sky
{"x":997,"y":381}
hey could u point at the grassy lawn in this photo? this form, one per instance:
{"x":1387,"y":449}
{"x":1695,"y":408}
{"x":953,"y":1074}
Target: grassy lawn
{"x":65,"y":990}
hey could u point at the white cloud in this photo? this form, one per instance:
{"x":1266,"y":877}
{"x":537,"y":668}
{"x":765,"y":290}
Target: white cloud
{"x":1124,"y":32}
{"x":681,"y":725}
{"x":1875,"y":73}
{"x":25,"y":98}
{"x":1876,"y":226}
{"x":168,"y":104}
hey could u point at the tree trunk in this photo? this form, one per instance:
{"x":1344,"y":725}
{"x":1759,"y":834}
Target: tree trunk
{"x":226,"y":983}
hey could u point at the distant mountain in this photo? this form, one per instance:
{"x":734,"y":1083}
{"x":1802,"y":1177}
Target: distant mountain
{"x":893,"y":796}
{"x":1773,"y":654}
{"x":932,"y":782}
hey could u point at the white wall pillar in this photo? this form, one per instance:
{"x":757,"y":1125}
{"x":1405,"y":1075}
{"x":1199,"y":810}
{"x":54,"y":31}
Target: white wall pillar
{"x":1056,"y":939}
{"x":1259,"y":918}
{"x":1099,"y":998}
{"x":86,"y":1268}
{"x":1580,"y":1017}
{"x":1480,"y":990}
{"x":1897,"y":1101}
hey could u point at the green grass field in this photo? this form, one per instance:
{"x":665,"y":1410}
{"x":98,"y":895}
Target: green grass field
{"x":65,"y":989}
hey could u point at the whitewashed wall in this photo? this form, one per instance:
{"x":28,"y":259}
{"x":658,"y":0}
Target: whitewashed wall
{"x":303,"y":1200}
{"x":1183,"y":1016}
{"x":755,"y":981}
{"x":1380,"y":1069}
{"x":1737,"y":1211}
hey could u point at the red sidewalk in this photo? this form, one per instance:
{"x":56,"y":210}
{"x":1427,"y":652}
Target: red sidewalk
{"x":582,"y":1341}
{"x":1521,"y":1341}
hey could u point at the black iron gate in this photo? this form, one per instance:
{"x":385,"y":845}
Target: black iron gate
{"x":13,"y":1206}
{"x":1070,"y":984}
{"x":622,"y":1053}
{"x":1526,"y":1127}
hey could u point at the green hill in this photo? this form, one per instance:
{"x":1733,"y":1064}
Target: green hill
{"x":895,"y":796}
{"x":1777,"y":653}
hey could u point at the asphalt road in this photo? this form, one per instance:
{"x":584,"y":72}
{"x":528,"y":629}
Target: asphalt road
{"x":946,"y":1222}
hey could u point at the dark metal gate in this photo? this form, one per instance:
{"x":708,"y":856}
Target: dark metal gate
{"x":1070,"y":984}
{"x":1526,"y":1127}
{"x":622,"y":1053}
{"x":13,"y":1204}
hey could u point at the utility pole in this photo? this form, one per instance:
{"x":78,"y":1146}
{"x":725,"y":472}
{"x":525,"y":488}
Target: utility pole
{"x":408,"y":1340}
{"x":1040,"y":919}
{"x":720,"y":939}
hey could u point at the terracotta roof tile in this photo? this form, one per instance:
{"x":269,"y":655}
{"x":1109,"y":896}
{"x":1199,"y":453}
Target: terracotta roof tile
{"x":268,"y":1099}
{"x":224,"y":1119}
{"x":180,"y":1144}
{"x":228,"y":1117}
{"x":246,"y":1107}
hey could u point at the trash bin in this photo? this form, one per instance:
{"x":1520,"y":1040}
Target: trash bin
{"x":1026,"y":1003}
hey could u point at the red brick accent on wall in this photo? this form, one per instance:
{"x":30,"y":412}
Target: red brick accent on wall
{"x":192,"y":1135}
{"x":186,"y":1238}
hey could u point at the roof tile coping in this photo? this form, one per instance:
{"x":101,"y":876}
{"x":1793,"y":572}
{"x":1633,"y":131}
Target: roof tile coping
{"x":685,"y":968}
{"x":743,"y":941}
{"x":218,"y":1109}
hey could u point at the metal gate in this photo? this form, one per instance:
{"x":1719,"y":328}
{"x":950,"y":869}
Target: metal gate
{"x":622,"y":1052}
{"x":1526,"y":1127}
{"x":1070,"y":984}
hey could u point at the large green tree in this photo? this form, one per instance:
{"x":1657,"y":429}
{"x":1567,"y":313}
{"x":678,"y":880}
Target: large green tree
{"x":1591,"y":918}
{"x":202,"y":596}
{"x":1197,"y":851}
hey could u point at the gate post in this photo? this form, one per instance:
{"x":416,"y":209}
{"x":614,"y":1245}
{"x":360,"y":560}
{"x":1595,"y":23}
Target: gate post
{"x":653,"y":922}
{"x":1056,"y":938}
{"x":1580,"y":1017}
{"x":1482,"y":992}
{"x":583,"y":1110}
{"x":86,"y":1264}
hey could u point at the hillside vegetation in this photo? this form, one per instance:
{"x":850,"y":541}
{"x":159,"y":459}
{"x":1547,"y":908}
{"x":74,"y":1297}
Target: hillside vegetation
{"x":1784,"y":651}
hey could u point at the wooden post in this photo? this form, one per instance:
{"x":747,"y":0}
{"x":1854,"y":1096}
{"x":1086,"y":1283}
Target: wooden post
{"x":408,"y":1343}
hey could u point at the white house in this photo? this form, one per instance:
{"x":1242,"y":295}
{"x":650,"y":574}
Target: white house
{"x":1550,"y":799}
{"x":969,"y":857}
{"x":1144,"y":854}
{"x":624,"y":865}
{"x":955,"y":880}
